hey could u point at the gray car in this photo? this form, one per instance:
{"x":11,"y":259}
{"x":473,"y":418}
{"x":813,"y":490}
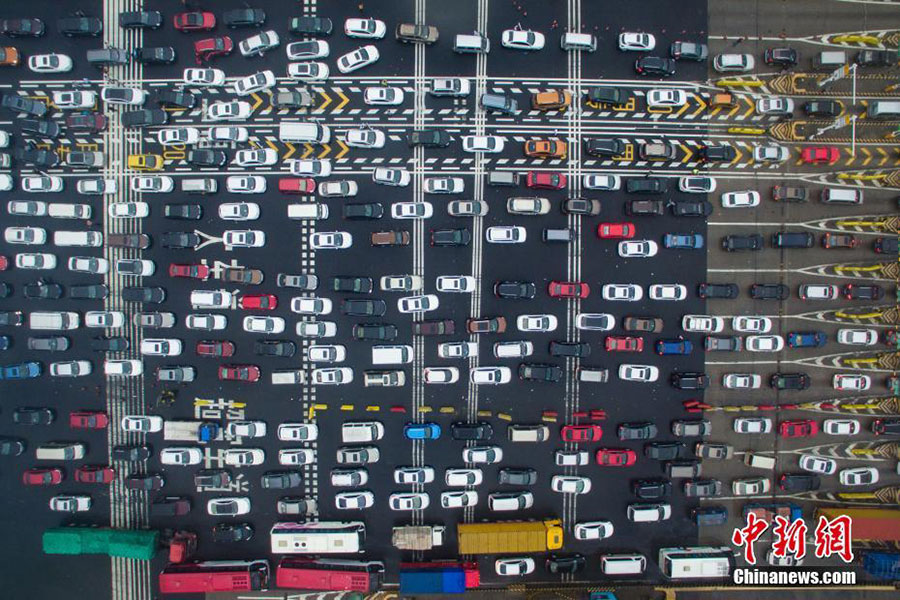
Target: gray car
{"x":517,"y":476}
{"x":156,"y":320}
{"x":301,"y":282}
{"x":691,"y":428}
{"x":698,"y":488}
{"x":50,"y":343}
{"x":176,"y":374}
{"x":281,"y":480}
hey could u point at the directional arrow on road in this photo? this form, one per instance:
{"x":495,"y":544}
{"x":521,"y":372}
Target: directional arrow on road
{"x":344,"y":101}
{"x":702,"y":107}
{"x":868,"y":154}
{"x":688,"y":154}
{"x":271,"y":145}
{"x":344,"y":149}
{"x":327,"y":148}
{"x":258,"y":101}
{"x":328,"y":100}
{"x":291,"y":149}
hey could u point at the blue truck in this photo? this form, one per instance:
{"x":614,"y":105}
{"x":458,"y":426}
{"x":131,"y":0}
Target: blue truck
{"x":882,"y":565}
{"x":26,"y":370}
{"x":436,"y":580}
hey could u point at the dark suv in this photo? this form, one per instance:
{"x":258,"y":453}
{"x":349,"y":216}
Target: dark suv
{"x":603,"y":147}
{"x":608,"y":95}
{"x":721,"y":153}
{"x":471,"y":431}
{"x":429,"y":138}
{"x":739,"y":243}
{"x":717,"y":290}
{"x":645,"y":185}
{"x":450,"y":237}
{"x":690,"y":381}
{"x":644,"y":208}
{"x":517,"y":476}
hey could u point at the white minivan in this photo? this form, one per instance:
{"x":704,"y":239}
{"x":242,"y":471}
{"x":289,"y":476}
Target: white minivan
{"x":361,"y":431}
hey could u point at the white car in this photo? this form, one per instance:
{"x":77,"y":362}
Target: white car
{"x":310,"y":167}
{"x":298,"y":432}
{"x":32,"y":236}
{"x":70,"y":503}
{"x":457,"y":349}
{"x":259,"y":44}
{"x":467,"y":208}
{"x":505,"y":234}
{"x":543,"y":323}
{"x":667,"y":291}
{"x":411,"y":475}
{"x":260,"y":157}
{"x":513,"y":349}
{"x":490,"y":375}
{"x":72,"y":100}
{"x":204,"y":77}
{"x":142,"y":423}
{"x":445,"y":185}
{"x":400,"y":283}
{"x":357,"y":59}
{"x":733,"y":63}
{"x":638,"y":248}
{"x":126,"y":96}
{"x":638,"y":373}
{"x":370,"y":29}
{"x":412,"y":210}
{"x":571,"y":458}
{"x":244,"y":457}
{"x":695,"y":184}
{"x":770,"y":153}
{"x":308,"y":49}
{"x":440,"y":375}
{"x":235,"y":110}
{"x":228,"y":133}
{"x":296,"y":456}
{"x":171,"y":136}
{"x":244,"y":238}
{"x":49,"y":63}
{"x":158,"y":346}
{"x":459,"y":499}
{"x":818,"y":464}
{"x":245,"y":184}
{"x":153,"y":184}
{"x":341,"y":188}
{"x":124,"y":367}
{"x":746,"y":199}
{"x":380,"y":95}
{"x":455,"y":87}
{"x":247,"y":429}
{"x":529,"y":206}
{"x":752,"y":324}
{"x":182,"y":456}
{"x":393,"y":177}
{"x":206,"y":322}
{"x":239,"y":211}
{"x":764,"y":343}
{"x":409,"y":501}
{"x":211,"y":299}
{"x":741,"y":381}
{"x":456,"y":283}
{"x":492,"y":144}
{"x":35,"y":260}
{"x":752,"y":425}
{"x":332,"y":376}
{"x":570,"y":484}
{"x":666,"y":98}
{"x":411,"y":304}
{"x":462,"y":477}
{"x":702,"y":324}
{"x":851,"y":382}
{"x":771,"y":105}
{"x":96,"y":186}
{"x":89,"y":264}
{"x":512,"y":567}
{"x":354,"y":500}
{"x":105,"y":319}
{"x":595,"y":321}
{"x":482,"y":455}
{"x":42,"y":183}
{"x":255,"y":324}
{"x":522,"y":39}
{"x":228,"y":507}
{"x":858,"y":476}
{"x":593,"y":530}
{"x":365,"y":137}
{"x":71,"y":368}
{"x":316,"y":329}
{"x":606,"y":182}
{"x":636,"y":42}
{"x":326,"y":353}
{"x":752,"y":486}
{"x":330,"y":240}
{"x":26,"y":208}
{"x":841,"y":427}
{"x":128,"y":210}
{"x":857,"y":337}
{"x":311,"y":71}
{"x":623,"y":292}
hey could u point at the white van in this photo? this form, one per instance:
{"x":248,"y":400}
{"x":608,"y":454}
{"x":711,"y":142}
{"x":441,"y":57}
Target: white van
{"x":510,"y":501}
{"x":82,"y":239}
{"x":830,"y":59}
{"x":361,"y":431}
{"x":473,"y":43}
{"x":310,"y":210}
{"x":292,"y":377}
{"x":648,"y":513}
{"x":392,"y":355}
{"x":62,"y":210}
{"x":53,"y":320}
{"x":578,"y":41}
{"x":528,"y":433}
{"x":842,"y":196}
{"x":203,"y":185}
{"x":308,"y":133}
{"x":591,"y":375}
{"x":384,"y":378}
{"x":514,"y":349}
{"x":60,"y":451}
{"x":211,"y":299}
{"x":622,"y":564}
{"x":884,"y":109}
{"x":759,"y":461}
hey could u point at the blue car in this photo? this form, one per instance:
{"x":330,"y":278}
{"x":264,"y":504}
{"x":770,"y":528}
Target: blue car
{"x":806,"y":339}
{"x":691,"y":241}
{"x":422,"y":431}
{"x":675,"y":346}
{"x":26,"y":370}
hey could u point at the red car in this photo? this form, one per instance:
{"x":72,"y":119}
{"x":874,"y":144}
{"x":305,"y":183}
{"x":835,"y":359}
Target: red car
{"x":191,"y":271}
{"x":52,"y":476}
{"x":258,"y":302}
{"x":4,"y":263}
{"x":194,"y":21}
{"x":581,"y":433}
{"x":205,"y":50}
{"x":615,"y":231}
{"x":88,"y":419}
{"x":215,"y":348}
{"x":543,"y":180}
{"x":248,"y":373}
{"x":297,"y":185}
{"x":797,"y":429}
{"x":568,"y":289}
{"x":817,"y":155}
{"x":95,"y":474}
{"x":615,"y":457}
{"x":624,"y":343}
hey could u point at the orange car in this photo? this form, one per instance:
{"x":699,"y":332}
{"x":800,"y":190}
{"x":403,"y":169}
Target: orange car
{"x":554,"y":100}
{"x":10,"y":57}
{"x":546,"y":148}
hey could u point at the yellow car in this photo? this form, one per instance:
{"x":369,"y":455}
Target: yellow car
{"x":145,"y":162}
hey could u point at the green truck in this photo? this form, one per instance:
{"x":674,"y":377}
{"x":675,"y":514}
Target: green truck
{"x":125,"y":543}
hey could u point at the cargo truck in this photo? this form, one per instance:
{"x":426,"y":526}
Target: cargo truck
{"x":438,"y":578}
{"x":140,"y":544}
{"x":869,"y":524}
{"x":191,"y":431}
{"x":510,"y":537}
{"x":422,"y":537}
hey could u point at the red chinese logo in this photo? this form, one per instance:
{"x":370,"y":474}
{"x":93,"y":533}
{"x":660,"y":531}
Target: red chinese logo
{"x":833,"y":537}
{"x":790,"y":537}
{"x":745,"y":536}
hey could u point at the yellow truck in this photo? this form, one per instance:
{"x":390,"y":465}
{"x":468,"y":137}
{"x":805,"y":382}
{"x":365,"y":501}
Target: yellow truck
{"x":510,"y":537}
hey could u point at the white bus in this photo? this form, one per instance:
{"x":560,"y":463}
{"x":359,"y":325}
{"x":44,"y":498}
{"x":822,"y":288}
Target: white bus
{"x":324,"y":537}
{"x":696,"y":562}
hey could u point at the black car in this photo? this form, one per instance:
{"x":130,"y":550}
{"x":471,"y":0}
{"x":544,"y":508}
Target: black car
{"x":651,"y":489}
{"x":664,"y":450}
{"x":691,"y":208}
{"x":514,"y":290}
{"x":509,"y":476}
{"x":471,"y":431}
{"x":355,"y":285}
{"x":231,"y":532}
{"x":155,"y":55}
{"x":718,"y":153}
{"x":886,"y":426}
{"x":11,"y":446}
{"x":48,"y":343}
{"x":565,"y":563}
{"x":823,"y":108}
{"x":176,"y":99}
{"x":798,"y":482}
{"x":637,"y":431}
{"x":145,"y":482}
{"x":109,"y":344}
{"x":363,"y":308}
{"x":90,"y":122}
{"x":151,"y":294}
{"x":38,"y":158}
{"x":718,"y":290}
{"x":43,"y":290}
{"x":21,"y":104}
{"x":170,"y":506}
{"x":213,"y":478}
{"x":580,"y":206}
{"x":131,"y":453}
{"x":207,"y":158}
{"x":6,"y":290}
{"x":644,"y":208}
{"x":690,"y":381}
{"x":645,"y":185}
{"x":363,"y":210}
{"x":274,"y":348}
{"x":852,"y":291}
{"x":80,"y":26}
{"x":603,"y":147}
{"x":782,"y":57}
{"x":97,"y":291}
{"x":22,"y":27}
{"x":374,"y":332}
{"x":886,"y":245}
{"x":769,"y":291}
{"x":128,"y":240}
{"x":608,"y":95}
{"x":789,"y":381}
{"x":310,"y":26}
{"x":654,"y":65}
{"x":876,"y":58}
{"x":180,"y":240}
{"x":244,"y":17}
{"x":429,"y":138}
{"x":450,"y":237}
{"x":11,"y":318}
{"x":281,"y":480}
{"x":738,"y":243}
{"x":144,"y":117}
{"x":144,"y":19}
{"x":540,"y":372}
{"x":187,"y":212}
{"x":789,"y":193}
{"x":50,"y":129}
{"x":572,"y":349}
{"x":33,"y":416}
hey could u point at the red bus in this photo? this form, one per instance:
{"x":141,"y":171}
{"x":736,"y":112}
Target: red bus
{"x":215,"y":576}
{"x":329,"y":574}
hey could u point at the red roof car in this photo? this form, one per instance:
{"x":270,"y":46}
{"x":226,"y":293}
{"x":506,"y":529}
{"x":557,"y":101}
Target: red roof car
{"x":215,"y":348}
{"x":88,"y":419}
{"x":4,"y":263}
{"x":568,"y":289}
{"x":615,"y":231}
{"x":191,"y":271}
{"x":802,"y":428}
{"x":53,"y":476}
{"x":249,"y":373}
{"x":542,"y":180}
{"x":624,"y":343}
{"x":615,"y":457}
{"x":95,"y":474}
{"x":258,"y":302}
{"x":820,"y":154}
{"x":297,"y":185}
{"x":209,"y":48}
{"x":194,"y":21}
{"x":581,"y":433}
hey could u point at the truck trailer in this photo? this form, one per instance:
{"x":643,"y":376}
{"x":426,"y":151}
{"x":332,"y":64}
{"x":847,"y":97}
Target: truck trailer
{"x":510,"y":537}
{"x":869,"y":524}
{"x":417,"y":537}
{"x":191,"y":431}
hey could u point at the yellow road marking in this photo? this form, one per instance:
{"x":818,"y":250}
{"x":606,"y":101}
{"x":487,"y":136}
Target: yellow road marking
{"x":703,"y":105}
{"x":372,"y":408}
{"x":326,"y":152}
{"x":344,"y":149}
{"x":328,"y":101}
{"x":688,"y":154}
{"x":344,"y":101}
{"x":291,"y":149}
{"x":258,"y":101}
{"x":308,"y":149}
{"x":347,"y":407}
